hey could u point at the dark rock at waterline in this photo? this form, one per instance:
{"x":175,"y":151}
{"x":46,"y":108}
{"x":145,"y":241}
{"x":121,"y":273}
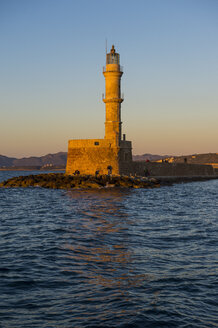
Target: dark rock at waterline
{"x":63,"y":181}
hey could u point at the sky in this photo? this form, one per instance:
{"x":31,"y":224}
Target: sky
{"x":51,"y":82}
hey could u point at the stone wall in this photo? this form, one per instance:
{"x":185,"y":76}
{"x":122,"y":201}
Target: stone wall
{"x":171,"y":169}
{"x":91,"y":155}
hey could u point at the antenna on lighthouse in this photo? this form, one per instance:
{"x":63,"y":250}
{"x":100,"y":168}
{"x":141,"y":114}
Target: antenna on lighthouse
{"x":106,"y":45}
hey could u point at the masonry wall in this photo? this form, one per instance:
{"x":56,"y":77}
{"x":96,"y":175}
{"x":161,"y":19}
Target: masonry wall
{"x":171,"y":169}
{"x":91,"y":155}
{"x":125,"y":157}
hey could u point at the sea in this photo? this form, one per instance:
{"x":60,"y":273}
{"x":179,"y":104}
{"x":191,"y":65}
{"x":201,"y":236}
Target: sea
{"x":110,"y":257}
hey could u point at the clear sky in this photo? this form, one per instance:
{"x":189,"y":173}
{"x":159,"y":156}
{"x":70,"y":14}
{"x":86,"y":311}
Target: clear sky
{"x":51,"y":81}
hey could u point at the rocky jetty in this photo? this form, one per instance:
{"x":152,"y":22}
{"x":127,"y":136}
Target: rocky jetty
{"x":63,"y":181}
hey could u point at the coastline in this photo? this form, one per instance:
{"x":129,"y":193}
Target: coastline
{"x":70,"y":182}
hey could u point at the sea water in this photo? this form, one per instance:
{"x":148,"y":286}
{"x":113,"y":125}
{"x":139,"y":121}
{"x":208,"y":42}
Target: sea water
{"x":109,"y":257}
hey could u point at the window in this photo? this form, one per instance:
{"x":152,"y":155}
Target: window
{"x":96,"y":143}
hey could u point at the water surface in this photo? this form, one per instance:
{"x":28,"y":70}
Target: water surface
{"x":109,"y":258}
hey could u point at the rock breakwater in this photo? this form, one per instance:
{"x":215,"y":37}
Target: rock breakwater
{"x":63,"y":181}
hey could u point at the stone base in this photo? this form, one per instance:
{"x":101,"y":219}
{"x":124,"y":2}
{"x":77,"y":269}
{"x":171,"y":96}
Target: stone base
{"x":91,"y":155}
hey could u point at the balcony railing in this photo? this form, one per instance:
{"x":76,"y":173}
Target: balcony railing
{"x":122,"y":96}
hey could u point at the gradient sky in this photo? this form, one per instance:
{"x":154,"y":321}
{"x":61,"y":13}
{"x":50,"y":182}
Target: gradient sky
{"x":51,"y":81}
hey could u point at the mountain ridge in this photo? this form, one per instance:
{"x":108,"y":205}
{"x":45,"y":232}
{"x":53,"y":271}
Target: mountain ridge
{"x":59,"y":159}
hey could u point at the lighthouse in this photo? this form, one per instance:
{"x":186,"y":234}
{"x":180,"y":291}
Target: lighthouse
{"x":89,"y":156}
{"x":112,"y":73}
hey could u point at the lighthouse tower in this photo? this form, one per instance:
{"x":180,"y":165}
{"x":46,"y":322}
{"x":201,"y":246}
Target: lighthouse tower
{"x":112,"y":73}
{"x":113,"y":153}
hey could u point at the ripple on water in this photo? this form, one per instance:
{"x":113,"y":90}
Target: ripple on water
{"x":109,"y":258}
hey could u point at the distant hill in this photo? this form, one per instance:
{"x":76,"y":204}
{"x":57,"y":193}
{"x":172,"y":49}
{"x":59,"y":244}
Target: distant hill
{"x":58,"y":159}
{"x":209,"y":158}
{"x":6,"y":161}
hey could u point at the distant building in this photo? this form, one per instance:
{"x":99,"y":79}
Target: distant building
{"x":113,"y":153}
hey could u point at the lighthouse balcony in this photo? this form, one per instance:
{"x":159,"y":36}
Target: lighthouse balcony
{"x":113,"y":99}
